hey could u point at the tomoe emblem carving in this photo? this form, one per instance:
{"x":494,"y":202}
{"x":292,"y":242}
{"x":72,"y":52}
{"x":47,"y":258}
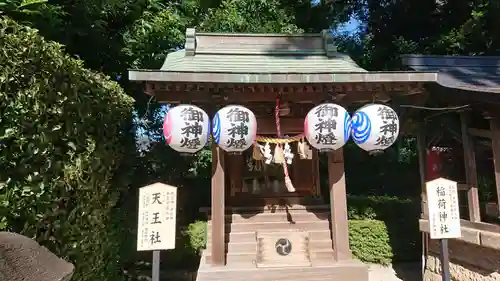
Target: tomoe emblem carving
{"x":283,"y":247}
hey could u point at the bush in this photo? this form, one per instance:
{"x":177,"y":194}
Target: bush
{"x":400,"y":217}
{"x":382,"y":208}
{"x":197,"y":233}
{"x":63,"y":134}
{"x":370,"y":242}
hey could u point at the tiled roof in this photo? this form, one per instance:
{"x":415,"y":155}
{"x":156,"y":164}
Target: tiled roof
{"x":259,"y":53}
{"x":260,"y":63}
{"x":470,"y":73}
{"x":267,"y":58}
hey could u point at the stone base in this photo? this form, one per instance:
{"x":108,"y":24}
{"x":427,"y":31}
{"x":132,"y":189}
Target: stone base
{"x":458,"y":272}
{"x":352,"y":270}
{"x":469,"y":262}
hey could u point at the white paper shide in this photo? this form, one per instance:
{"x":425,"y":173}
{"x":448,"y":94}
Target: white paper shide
{"x":442,"y":203}
{"x":157,"y":217}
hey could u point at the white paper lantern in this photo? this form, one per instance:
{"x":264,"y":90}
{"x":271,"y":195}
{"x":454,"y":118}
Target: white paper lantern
{"x":375,"y":127}
{"x":327,"y":126}
{"x":234,"y":128}
{"x":186,"y":128}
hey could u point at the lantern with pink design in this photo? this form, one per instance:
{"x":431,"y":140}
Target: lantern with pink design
{"x":327,"y":126}
{"x":186,"y":128}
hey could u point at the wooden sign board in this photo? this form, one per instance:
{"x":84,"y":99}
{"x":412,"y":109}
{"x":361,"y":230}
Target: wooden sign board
{"x":157,"y":217}
{"x":442,"y":203}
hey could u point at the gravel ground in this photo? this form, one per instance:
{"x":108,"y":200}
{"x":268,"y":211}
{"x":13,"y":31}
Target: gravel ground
{"x":396,"y":272}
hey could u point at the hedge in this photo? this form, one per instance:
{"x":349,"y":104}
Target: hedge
{"x":64,"y":131}
{"x":370,"y":241}
{"x":400,"y":218}
{"x":382,"y":208}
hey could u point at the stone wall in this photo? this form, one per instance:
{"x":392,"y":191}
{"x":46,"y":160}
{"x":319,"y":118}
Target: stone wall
{"x":469,"y":262}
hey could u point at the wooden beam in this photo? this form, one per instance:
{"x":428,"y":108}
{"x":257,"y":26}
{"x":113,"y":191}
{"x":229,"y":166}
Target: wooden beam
{"x":163,"y":96}
{"x":218,"y":214}
{"x":480,"y":133}
{"x":338,"y":205}
{"x":301,"y":93}
{"x":495,"y":146}
{"x":247,"y":96}
{"x":470,"y":170}
{"x":462,"y":187}
{"x":267,"y":126}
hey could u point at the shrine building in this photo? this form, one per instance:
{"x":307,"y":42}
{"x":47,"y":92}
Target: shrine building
{"x":258,"y":226}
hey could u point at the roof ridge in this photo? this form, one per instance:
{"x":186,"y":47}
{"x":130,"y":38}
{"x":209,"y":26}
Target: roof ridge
{"x":258,"y":43}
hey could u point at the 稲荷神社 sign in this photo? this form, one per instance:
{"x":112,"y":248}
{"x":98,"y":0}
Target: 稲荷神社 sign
{"x":157,"y":217}
{"x":442,"y":204}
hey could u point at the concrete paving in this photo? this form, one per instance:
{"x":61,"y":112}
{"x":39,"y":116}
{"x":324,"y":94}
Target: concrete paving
{"x":396,"y":272}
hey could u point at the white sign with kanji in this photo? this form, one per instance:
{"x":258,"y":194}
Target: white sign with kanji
{"x":442,"y":203}
{"x":157,"y":217}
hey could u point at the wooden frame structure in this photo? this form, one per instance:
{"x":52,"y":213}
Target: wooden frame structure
{"x":252,"y":70}
{"x":471,"y":85}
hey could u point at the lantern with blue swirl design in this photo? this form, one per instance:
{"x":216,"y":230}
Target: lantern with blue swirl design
{"x":186,"y":128}
{"x":234,"y":128}
{"x":327,"y":127}
{"x":375,"y":127}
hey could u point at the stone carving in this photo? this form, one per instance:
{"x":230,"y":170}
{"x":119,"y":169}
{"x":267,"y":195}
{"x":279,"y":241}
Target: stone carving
{"x":283,"y":247}
{"x":23,"y":259}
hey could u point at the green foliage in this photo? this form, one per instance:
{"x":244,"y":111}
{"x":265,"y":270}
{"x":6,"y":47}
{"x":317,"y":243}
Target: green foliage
{"x":381,"y":207}
{"x":63,"y":137}
{"x":370,"y":241}
{"x":239,"y":16}
{"x":197,"y":232}
{"x":21,"y":6}
{"x":400,"y":217}
{"x":152,"y":37}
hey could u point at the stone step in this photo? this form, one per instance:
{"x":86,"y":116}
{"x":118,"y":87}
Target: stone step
{"x":283,"y":226}
{"x":251,"y":246}
{"x":321,"y":234}
{"x":345,"y":270}
{"x":319,"y":254}
{"x":291,"y":208}
{"x":272,"y":251}
{"x":277,"y":217}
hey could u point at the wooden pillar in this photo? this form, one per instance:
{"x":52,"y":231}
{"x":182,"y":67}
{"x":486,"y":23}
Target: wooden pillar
{"x":422,"y":165}
{"x":235,"y":167}
{"x":495,"y":146}
{"x":338,"y":205}
{"x":315,"y":173}
{"x":218,"y":207}
{"x":470,"y":170}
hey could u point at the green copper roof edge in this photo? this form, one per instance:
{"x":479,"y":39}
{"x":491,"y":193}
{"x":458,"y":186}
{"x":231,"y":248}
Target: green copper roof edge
{"x":353,"y":72}
{"x":267,"y":52}
{"x":259,"y":34}
{"x":281,"y":78}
